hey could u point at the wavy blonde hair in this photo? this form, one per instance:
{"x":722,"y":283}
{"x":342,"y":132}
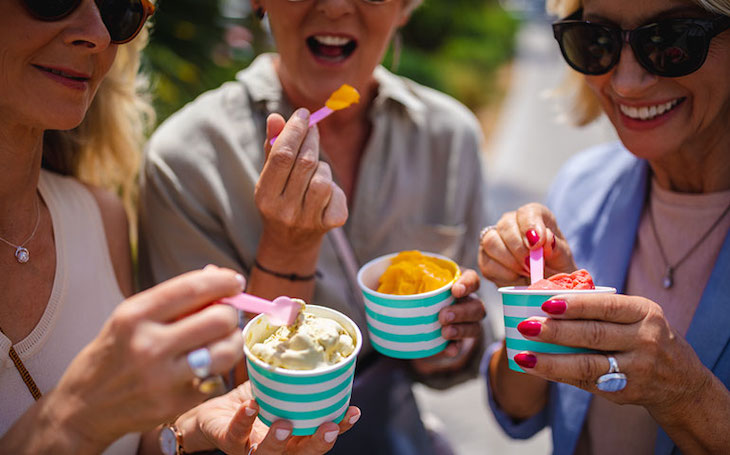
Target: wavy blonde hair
{"x":105,"y":149}
{"x":584,"y":105}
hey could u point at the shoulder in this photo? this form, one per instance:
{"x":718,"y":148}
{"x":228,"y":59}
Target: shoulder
{"x":116,"y":229}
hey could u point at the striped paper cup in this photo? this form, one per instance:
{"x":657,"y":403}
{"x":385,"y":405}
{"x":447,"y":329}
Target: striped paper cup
{"x":307,"y":398}
{"x":404,"y":326}
{"x":520,"y":303}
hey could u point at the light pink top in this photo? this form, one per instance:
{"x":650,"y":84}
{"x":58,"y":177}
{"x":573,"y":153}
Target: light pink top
{"x":681,"y":220}
{"x":85,"y":291}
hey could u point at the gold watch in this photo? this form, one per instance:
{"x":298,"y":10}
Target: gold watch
{"x":171,"y":441}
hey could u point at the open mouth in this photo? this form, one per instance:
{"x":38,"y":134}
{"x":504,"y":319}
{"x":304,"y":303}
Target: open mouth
{"x":646,"y":113}
{"x":331,"y":48}
{"x":73,"y":77}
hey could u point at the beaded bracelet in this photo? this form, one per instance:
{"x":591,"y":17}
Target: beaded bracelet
{"x":285,"y":276}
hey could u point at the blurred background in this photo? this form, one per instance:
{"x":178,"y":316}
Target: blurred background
{"x":497,"y":57}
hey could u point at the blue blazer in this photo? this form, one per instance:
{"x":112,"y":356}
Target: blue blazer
{"x":610,"y":186}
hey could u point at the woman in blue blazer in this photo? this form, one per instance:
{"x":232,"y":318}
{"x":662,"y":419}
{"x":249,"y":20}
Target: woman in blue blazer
{"x":648,"y":216}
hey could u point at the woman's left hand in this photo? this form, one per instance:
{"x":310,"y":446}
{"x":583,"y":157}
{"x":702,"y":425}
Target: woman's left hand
{"x":461,"y":323}
{"x":229,"y":423}
{"x":663,"y":371}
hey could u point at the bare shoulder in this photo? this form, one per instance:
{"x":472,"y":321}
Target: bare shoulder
{"x":116,"y":228}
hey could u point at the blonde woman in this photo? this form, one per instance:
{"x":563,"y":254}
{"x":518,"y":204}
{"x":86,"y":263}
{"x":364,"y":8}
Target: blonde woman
{"x":71,"y":122}
{"x":648,"y":216}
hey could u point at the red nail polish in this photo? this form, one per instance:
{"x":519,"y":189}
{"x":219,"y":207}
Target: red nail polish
{"x":555,"y":242}
{"x":527,"y":261}
{"x":529,"y":328}
{"x":532,"y":237}
{"x":526,"y":360}
{"x":554,"y":306}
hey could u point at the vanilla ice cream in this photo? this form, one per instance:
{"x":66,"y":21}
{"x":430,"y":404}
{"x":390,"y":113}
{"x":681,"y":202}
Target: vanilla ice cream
{"x":311,"y":342}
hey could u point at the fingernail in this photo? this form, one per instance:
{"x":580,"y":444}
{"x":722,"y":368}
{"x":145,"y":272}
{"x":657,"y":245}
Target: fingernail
{"x":282,"y":434}
{"x":450,"y":316}
{"x":241,"y":280}
{"x":555,"y":242}
{"x":302,"y":113}
{"x":554,"y":306}
{"x":458,"y":289}
{"x":354,"y":419}
{"x":209,"y":267}
{"x":526,"y":360}
{"x":532,"y":237}
{"x":450,"y":332}
{"x":330,"y":436}
{"x":249,"y":411}
{"x":529,"y":328}
{"x":527,"y":261}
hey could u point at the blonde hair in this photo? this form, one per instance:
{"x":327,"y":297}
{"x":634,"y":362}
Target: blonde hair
{"x":105,"y":149}
{"x":585,"y":106}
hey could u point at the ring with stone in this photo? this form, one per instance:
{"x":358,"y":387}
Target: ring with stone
{"x":212,"y":385}
{"x":199,"y":361}
{"x":484,"y":231}
{"x":614,"y":380}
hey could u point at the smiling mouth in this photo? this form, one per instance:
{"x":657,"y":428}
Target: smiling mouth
{"x":62,"y":74}
{"x":331,"y":48}
{"x":649,"y":112}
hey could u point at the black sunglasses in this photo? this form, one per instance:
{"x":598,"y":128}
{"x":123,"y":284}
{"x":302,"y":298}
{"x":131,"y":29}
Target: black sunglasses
{"x":667,"y":48}
{"x":122,"y":18}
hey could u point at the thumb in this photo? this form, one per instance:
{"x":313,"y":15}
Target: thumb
{"x":274,"y":125}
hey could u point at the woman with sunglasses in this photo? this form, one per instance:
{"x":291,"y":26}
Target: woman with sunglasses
{"x":81,"y":372}
{"x":648,"y":216}
{"x":402,"y":167}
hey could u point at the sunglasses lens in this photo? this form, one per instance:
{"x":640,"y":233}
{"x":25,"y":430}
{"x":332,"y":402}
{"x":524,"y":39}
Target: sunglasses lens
{"x":123,"y":18}
{"x":50,"y":9}
{"x":588,"y":48}
{"x":671,"y":49}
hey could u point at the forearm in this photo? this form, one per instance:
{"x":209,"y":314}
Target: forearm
{"x":700,"y":424}
{"x":518,"y":394}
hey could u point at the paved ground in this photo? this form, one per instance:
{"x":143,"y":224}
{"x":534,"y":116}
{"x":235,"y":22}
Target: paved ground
{"x":524,"y":154}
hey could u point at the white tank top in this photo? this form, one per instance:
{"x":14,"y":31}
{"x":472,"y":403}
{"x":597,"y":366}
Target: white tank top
{"x":85,"y":291}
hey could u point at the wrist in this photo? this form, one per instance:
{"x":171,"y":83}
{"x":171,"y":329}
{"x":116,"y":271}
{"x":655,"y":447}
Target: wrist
{"x":65,"y":419}
{"x":300,"y":259}
{"x":193,"y":439}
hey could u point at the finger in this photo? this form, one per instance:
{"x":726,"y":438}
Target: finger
{"x":533,"y":220}
{"x":351,"y":417}
{"x":203,"y":327}
{"x":498,"y":274}
{"x":513,"y":240}
{"x":336,"y":212}
{"x":240,"y":427}
{"x":185,"y":294}
{"x":318,"y":193}
{"x":283,"y":154}
{"x":224,"y":354}
{"x":580,"y":370}
{"x":274,"y":125}
{"x":321,"y":441}
{"x":617,"y":308}
{"x":461,"y":331}
{"x":306,"y":164}
{"x":603,"y":336}
{"x":468,"y":309}
{"x":274,"y":443}
{"x":497,"y":262}
{"x":467,"y":283}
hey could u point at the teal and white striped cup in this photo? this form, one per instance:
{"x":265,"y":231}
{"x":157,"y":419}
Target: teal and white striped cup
{"x":307,"y":398}
{"x":404,"y":326}
{"x":520,"y":303}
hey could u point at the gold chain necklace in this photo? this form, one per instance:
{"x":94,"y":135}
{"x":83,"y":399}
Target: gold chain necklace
{"x":668,"y":280}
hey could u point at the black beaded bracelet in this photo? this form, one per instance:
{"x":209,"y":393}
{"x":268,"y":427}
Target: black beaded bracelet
{"x":285,"y":276}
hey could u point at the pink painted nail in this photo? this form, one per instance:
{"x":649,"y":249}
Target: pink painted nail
{"x":526,"y":360}
{"x":529,"y":328}
{"x":554,"y":306}
{"x":532,"y":237}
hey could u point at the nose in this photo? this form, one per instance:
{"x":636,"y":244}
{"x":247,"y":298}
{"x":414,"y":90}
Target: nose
{"x":336,"y":8}
{"x":629,"y":77}
{"x":86,"y":29}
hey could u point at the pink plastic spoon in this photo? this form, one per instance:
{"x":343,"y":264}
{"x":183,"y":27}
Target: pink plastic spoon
{"x":282,"y":311}
{"x":536,"y":266}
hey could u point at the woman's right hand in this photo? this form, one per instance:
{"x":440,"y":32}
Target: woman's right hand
{"x":504,"y":249}
{"x":135,"y":375}
{"x":296,"y":196}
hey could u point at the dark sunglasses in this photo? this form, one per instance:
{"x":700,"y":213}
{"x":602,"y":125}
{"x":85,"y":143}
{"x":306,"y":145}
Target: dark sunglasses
{"x":122,"y":18}
{"x":667,"y":48}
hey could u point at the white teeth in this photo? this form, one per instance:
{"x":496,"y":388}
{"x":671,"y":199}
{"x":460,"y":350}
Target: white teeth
{"x":328,"y":40}
{"x":647,"y":112}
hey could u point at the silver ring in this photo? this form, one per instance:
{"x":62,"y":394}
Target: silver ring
{"x":484,"y":231}
{"x":614,"y":380}
{"x":199,"y":361}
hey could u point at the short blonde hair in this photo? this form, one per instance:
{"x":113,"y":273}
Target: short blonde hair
{"x":585,"y":106}
{"x":105,"y":149}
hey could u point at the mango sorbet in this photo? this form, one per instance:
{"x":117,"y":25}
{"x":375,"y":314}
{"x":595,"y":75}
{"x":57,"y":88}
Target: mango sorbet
{"x":411,"y":272}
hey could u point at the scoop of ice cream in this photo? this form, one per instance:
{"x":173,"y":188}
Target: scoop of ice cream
{"x":580,"y":279}
{"x":311,"y":342}
{"x":411,"y":272}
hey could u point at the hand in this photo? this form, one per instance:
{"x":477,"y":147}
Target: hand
{"x":663,"y":371}
{"x":134,"y":375}
{"x":229,"y":423}
{"x":504,"y":251}
{"x":460,"y":322}
{"x":296,"y":195}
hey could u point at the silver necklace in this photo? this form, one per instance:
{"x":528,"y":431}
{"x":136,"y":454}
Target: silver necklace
{"x":21,"y":252}
{"x":668,"y":280}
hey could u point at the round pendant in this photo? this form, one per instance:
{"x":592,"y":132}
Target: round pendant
{"x":668,"y":280}
{"x":22,"y":255}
